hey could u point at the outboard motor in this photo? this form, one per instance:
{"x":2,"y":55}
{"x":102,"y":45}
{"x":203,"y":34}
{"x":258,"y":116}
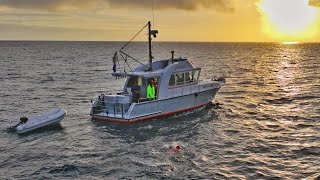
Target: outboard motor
{"x":23,"y":120}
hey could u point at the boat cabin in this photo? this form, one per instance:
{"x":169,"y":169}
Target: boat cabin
{"x":167,"y":76}
{"x":172,"y":78}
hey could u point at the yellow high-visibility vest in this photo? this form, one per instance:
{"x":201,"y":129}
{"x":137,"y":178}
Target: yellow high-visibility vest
{"x":151,"y":91}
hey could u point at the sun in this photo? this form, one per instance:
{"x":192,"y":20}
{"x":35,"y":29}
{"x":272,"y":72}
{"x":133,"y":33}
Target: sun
{"x":288,"y":20}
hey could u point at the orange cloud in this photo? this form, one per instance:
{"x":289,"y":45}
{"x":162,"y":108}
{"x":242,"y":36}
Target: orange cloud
{"x":56,"y":5}
{"x":315,"y":3}
{"x":52,"y":5}
{"x":219,"y":5}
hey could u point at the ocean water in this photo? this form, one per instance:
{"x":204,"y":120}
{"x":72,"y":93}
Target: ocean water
{"x":267,"y":124}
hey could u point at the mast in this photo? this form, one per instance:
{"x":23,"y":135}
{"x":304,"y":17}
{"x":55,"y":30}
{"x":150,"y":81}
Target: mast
{"x":150,"y":34}
{"x":150,"y":39}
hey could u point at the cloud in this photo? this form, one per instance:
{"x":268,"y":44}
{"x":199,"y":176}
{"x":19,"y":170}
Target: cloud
{"x":28,"y":32}
{"x":315,"y":3}
{"x":219,"y":5}
{"x":52,"y":5}
{"x":60,"y":5}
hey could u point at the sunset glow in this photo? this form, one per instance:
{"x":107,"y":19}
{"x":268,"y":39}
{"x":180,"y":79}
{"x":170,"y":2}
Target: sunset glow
{"x":289,"y":20}
{"x":192,"y":20}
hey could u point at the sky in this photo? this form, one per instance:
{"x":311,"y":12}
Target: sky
{"x":176,"y":20}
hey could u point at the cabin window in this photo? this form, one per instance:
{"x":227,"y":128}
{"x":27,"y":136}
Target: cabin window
{"x":184,"y":78}
{"x":180,"y":78}
{"x":144,"y":82}
{"x":133,"y":81}
{"x":172,"y":81}
{"x":189,"y":77}
{"x":195,"y":75}
{"x":139,"y":81}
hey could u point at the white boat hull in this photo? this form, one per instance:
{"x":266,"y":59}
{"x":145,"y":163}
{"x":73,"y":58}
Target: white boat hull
{"x":158,"y":108}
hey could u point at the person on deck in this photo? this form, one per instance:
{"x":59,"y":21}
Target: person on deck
{"x":150,"y":91}
{"x":155,"y":86}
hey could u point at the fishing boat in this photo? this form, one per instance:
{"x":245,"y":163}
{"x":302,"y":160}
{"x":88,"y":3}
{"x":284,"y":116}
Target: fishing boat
{"x":174,"y":81}
{"x":29,"y":124}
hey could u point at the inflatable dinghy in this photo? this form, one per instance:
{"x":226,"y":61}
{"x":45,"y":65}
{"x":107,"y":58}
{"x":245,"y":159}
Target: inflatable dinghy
{"x":29,"y":124}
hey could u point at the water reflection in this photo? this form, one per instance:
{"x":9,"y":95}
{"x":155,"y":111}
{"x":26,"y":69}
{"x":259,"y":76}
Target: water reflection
{"x":289,"y":43}
{"x":275,"y":102}
{"x":279,"y":69}
{"x":287,"y":69}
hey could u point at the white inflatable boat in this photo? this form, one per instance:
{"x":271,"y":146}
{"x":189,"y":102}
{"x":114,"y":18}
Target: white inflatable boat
{"x":29,"y":124}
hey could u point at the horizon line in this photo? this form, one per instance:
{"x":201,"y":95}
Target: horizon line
{"x":277,"y":42}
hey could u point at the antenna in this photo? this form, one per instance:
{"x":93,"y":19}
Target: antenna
{"x":153,"y":13}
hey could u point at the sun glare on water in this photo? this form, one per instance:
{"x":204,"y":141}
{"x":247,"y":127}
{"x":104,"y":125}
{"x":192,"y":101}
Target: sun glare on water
{"x":289,"y":43}
{"x":289,"y":20}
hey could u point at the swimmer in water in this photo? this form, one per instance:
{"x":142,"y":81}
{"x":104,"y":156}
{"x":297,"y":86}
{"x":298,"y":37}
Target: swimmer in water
{"x":174,"y":149}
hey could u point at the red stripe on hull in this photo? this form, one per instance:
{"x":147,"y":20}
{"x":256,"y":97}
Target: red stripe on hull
{"x":100,"y":118}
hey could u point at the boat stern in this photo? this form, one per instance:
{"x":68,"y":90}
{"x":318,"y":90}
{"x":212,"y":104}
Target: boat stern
{"x":111,"y":106}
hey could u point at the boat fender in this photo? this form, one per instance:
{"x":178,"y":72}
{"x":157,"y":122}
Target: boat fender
{"x":23,"y":120}
{"x":196,"y":94}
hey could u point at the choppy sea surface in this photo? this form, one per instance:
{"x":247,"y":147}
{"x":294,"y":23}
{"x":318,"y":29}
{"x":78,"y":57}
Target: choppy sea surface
{"x":267,"y":124}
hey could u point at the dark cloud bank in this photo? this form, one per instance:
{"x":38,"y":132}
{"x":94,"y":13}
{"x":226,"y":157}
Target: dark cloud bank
{"x":56,"y":5}
{"x":60,"y":5}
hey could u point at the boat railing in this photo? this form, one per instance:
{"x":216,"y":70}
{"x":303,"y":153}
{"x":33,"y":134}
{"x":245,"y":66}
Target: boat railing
{"x":116,"y":109}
